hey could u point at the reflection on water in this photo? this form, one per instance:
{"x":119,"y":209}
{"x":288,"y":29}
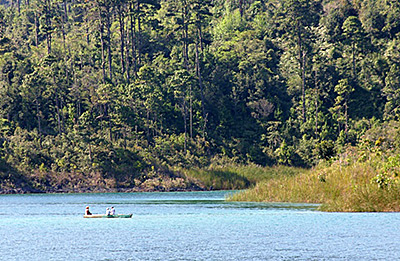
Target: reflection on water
{"x":188,"y":226}
{"x":275,"y":206}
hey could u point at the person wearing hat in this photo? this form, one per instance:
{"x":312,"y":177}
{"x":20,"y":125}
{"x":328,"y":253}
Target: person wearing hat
{"x":87,"y":212}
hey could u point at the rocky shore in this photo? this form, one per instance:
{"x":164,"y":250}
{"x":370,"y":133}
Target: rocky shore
{"x":4,"y":191}
{"x":27,"y":186}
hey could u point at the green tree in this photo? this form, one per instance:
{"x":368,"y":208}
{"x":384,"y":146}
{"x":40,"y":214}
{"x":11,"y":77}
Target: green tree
{"x":343,"y":90}
{"x":391,"y":90}
{"x":354,"y":35}
{"x":297,"y":17}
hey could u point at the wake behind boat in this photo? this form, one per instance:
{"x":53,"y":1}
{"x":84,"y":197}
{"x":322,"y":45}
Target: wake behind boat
{"x":108,"y":216}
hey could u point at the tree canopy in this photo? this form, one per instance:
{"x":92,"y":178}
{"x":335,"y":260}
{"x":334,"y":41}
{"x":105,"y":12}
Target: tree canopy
{"x":120,"y":87}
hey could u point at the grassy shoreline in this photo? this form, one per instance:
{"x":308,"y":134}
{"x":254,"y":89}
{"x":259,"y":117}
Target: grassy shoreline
{"x":234,"y":176}
{"x":345,"y":185}
{"x":340,"y":187}
{"x":228,"y":176}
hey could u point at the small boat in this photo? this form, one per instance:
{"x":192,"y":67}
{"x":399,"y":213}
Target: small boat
{"x":108,"y":216}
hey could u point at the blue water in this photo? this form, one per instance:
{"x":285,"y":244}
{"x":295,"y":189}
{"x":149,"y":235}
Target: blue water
{"x":188,"y":226}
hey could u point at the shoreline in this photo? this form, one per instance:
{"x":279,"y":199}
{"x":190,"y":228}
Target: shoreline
{"x":21,"y":191}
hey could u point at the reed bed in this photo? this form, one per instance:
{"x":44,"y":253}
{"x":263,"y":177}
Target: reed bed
{"x":234,"y":176}
{"x":338,"y":187}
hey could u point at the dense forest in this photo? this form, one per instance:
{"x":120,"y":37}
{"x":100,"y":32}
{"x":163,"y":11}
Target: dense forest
{"x":113,"y":93}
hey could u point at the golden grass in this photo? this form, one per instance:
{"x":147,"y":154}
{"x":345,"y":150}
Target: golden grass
{"x":338,"y":187}
{"x":234,"y":176}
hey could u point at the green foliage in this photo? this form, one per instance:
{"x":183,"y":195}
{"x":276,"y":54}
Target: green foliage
{"x":230,"y":24}
{"x":228,"y":175}
{"x":111,"y":88}
{"x":381,"y":180}
{"x":326,"y":149}
{"x":346,"y":183}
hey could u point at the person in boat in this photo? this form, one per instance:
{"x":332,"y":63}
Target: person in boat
{"x":112,"y":211}
{"x":108,"y":211}
{"x":87,"y":211}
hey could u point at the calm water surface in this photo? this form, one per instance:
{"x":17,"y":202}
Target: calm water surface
{"x":188,"y":226}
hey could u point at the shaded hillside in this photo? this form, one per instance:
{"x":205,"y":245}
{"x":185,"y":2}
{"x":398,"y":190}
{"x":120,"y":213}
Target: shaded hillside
{"x":120,"y":90}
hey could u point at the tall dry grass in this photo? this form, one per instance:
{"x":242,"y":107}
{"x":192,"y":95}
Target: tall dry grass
{"x":339,"y":187}
{"x":234,"y":176}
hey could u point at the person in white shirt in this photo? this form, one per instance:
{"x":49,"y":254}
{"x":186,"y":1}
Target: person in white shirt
{"x":87,"y":211}
{"x":112,"y":211}
{"x":108,"y":212}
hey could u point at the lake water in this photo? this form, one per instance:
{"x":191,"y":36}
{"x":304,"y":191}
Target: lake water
{"x":188,"y":226}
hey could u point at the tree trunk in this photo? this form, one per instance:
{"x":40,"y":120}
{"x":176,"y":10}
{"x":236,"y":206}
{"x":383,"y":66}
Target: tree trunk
{"x":90,"y":152}
{"x":241,"y":7}
{"x":185,"y":35}
{"x":148,"y":124}
{"x":316,"y":104}
{"x":87,"y":29}
{"x":184,"y":122}
{"x":110,"y":124}
{"x":346,"y":117}
{"x":127,"y":62}
{"x":48,"y":26}
{"x":127,"y":44}
{"x":38,"y":115}
{"x":302,"y":59}
{"x":303,"y":86}
{"x":353,"y":47}
{"x":36,"y":30}
{"x":133,"y":39}
{"x":58,"y":116}
{"x":63,"y":36}
{"x":122,"y":36}
{"x":191,"y":111}
{"x":103,"y":62}
{"x":109,"y":47}
{"x":139,"y":36}
{"x":65,"y":10}
{"x":198,"y":72}
{"x":201,"y":39}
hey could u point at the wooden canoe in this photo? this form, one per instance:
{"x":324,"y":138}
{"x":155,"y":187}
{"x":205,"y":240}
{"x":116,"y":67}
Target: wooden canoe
{"x":108,"y":216}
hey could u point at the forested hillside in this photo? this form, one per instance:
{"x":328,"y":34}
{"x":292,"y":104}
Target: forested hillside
{"x":113,"y":93}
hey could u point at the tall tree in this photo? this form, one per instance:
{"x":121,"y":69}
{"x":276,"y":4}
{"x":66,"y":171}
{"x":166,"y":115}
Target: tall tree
{"x":354,"y":35}
{"x":343,"y":90}
{"x":297,"y":17}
